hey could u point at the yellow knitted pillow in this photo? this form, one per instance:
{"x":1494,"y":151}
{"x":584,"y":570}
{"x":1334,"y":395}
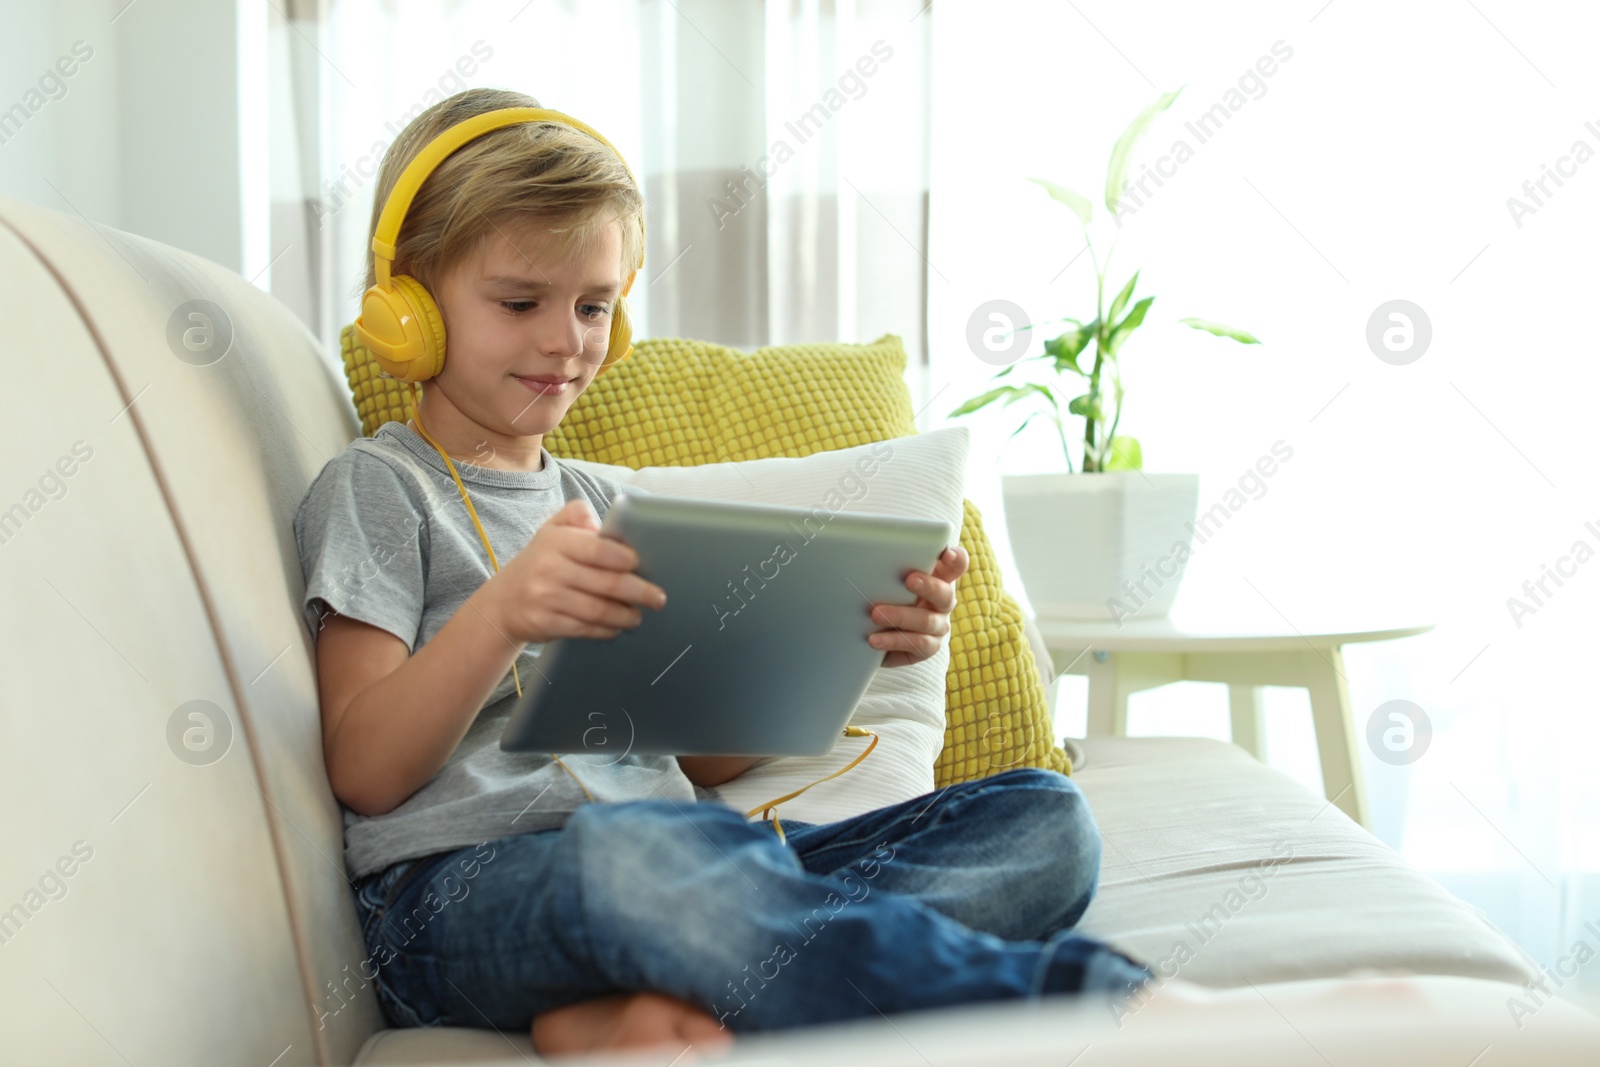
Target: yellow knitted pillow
{"x":678,"y":403}
{"x":995,"y":715}
{"x":378,"y":397}
{"x":681,"y":403}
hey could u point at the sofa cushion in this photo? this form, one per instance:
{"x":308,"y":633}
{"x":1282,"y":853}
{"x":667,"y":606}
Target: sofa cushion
{"x":1225,"y":872}
{"x":435,"y":1045}
{"x":679,"y":403}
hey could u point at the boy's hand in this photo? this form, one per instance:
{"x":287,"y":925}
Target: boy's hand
{"x":914,"y":632}
{"x":570,"y":582}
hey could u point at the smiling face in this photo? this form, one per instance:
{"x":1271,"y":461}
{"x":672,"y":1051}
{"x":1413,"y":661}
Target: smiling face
{"x":525,"y":334}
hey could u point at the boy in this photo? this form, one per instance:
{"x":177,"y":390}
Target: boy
{"x":614,"y":904}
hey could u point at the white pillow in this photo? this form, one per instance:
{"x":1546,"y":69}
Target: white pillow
{"x":919,"y":476}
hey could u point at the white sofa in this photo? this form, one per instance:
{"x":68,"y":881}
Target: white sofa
{"x":174,"y":899}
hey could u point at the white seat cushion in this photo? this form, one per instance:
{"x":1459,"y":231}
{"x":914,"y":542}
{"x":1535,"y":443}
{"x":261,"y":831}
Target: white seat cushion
{"x":1226,"y":872}
{"x":445,"y":1044}
{"x":1419,"y":1021}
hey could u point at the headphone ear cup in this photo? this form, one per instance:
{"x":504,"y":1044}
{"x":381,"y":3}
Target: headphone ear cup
{"x":402,"y":328}
{"x":620,"y":345}
{"x":431,"y":324}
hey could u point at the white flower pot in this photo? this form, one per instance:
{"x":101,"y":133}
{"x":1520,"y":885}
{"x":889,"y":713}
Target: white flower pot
{"x":1107,"y":546}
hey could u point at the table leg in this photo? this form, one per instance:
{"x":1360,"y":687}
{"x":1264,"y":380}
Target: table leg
{"x":1114,"y":676}
{"x":1337,"y":740}
{"x":1247,"y":711}
{"x":1108,"y":701}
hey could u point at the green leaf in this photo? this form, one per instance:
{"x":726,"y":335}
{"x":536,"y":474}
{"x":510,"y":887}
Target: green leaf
{"x":1079,"y":203}
{"x":1135,"y":317}
{"x":1011,"y":393}
{"x":1124,"y":454}
{"x":1024,"y":425}
{"x":1121,"y":300}
{"x":1029,"y":389}
{"x":1220,"y":330}
{"x":982,"y":400}
{"x":1121,"y":330}
{"x":1087,"y":405}
{"x":1117,"y":169}
{"x":1066,"y":348}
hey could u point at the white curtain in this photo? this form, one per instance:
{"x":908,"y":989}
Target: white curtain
{"x":787,"y":154}
{"x":295,"y":269}
{"x":782,"y":148}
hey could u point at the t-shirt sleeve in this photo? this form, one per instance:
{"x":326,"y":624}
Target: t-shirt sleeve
{"x":601,"y":491}
{"x":361,"y":539}
{"x":613,"y":490}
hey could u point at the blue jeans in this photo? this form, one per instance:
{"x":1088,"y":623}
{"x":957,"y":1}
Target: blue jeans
{"x":959,"y":896}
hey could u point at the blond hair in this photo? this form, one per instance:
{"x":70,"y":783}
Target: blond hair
{"x":544,"y":172}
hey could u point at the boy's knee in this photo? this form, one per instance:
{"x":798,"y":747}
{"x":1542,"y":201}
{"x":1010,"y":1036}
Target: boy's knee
{"x":636,"y":828}
{"x":1035,"y":778}
{"x":655,"y":881}
{"x":1053,"y":807}
{"x":635,"y":846}
{"x":1045,"y":820}
{"x":1051,"y":796}
{"x":1067,"y":809}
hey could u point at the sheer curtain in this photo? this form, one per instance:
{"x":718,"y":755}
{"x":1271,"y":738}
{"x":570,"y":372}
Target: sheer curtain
{"x":782,"y":148}
{"x":383,"y":62}
{"x":786,"y":147}
{"x":296,"y":267}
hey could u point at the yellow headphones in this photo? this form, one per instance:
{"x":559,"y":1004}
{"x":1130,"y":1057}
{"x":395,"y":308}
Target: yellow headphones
{"x":400,"y":324}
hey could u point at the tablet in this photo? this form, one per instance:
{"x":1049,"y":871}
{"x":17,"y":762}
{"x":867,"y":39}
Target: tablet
{"x":761,"y":649}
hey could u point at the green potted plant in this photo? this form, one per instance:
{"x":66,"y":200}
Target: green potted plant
{"x":1115,"y":543}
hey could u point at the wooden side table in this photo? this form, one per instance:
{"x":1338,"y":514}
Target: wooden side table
{"x":1120,"y":660}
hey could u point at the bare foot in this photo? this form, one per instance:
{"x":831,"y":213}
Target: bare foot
{"x":626,"y":1021}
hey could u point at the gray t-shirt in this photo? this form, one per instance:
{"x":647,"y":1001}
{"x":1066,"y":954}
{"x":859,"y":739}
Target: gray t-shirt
{"x":385,"y":538}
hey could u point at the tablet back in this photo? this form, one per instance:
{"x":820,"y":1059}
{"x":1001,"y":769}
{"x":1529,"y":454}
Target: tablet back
{"x":761,"y":649}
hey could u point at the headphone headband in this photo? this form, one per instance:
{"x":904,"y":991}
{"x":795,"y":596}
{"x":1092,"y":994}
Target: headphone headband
{"x":436,"y":151}
{"x":400,"y":325}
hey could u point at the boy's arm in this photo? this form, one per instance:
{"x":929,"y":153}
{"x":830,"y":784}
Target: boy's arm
{"x":390,"y":719}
